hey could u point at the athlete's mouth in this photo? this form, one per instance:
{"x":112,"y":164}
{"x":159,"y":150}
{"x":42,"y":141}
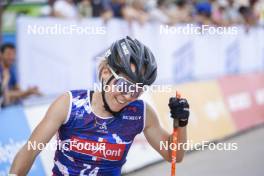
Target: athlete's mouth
{"x":120,"y":101}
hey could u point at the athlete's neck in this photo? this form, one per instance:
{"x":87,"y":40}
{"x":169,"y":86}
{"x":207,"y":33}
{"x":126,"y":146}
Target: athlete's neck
{"x":98,"y":105}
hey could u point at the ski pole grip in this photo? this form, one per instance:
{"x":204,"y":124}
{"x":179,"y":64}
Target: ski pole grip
{"x":176,"y":121}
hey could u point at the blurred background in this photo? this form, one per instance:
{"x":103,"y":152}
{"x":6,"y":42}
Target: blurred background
{"x":51,"y":46}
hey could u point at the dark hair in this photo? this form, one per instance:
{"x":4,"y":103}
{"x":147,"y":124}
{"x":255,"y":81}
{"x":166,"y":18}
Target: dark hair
{"x":7,"y":45}
{"x":244,"y":10}
{"x":180,"y":3}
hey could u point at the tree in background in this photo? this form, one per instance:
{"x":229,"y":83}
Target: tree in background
{"x":3,"y":7}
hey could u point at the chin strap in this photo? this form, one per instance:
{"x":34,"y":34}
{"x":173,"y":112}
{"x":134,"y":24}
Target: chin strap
{"x":106,"y":106}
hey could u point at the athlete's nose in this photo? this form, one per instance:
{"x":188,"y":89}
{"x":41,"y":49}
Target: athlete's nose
{"x":128,"y":97}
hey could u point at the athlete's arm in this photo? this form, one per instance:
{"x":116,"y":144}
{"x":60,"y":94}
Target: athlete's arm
{"x":45,"y":130}
{"x":155,"y":134}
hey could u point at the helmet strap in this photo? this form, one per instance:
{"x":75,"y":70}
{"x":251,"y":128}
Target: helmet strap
{"x":106,"y":106}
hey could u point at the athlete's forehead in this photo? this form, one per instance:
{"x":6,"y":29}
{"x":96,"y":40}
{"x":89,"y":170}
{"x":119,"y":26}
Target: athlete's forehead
{"x":133,"y":68}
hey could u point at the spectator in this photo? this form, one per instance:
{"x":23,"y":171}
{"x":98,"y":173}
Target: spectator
{"x":13,"y":93}
{"x":48,"y":9}
{"x":1,"y":84}
{"x":232,"y":14}
{"x":248,"y":15}
{"x":118,"y":8}
{"x":102,"y":8}
{"x":136,"y":11}
{"x":218,"y":12}
{"x":160,"y":12}
{"x":203,"y":13}
{"x":259,"y":11}
{"x":4,"y":78}
{"x":85,"y":8}
{"x":108,"y":8}
{"x":255,"y":5}
{"x":65,"y":9}
{"x":182,"y":12}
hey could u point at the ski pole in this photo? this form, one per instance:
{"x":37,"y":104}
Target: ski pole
{"x":175,"y":141}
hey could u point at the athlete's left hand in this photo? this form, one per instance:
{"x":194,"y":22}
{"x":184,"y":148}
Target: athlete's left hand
{"x":179,"y":109}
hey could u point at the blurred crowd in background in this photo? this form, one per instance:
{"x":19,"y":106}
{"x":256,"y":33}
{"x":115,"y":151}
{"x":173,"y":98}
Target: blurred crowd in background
{"x":10,"y":91}
{"x":215,"y":12}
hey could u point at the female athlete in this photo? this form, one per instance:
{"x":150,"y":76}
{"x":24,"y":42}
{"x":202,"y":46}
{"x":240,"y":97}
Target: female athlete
{"x":97,"y":128}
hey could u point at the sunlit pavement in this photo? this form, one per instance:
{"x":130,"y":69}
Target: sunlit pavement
{"x":247,"y":160}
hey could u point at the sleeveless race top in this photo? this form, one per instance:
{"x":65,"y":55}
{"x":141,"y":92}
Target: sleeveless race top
{"x":90,"y":145}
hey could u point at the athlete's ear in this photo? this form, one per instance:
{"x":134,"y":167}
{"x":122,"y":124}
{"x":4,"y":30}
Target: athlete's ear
{"x":105,"y":73}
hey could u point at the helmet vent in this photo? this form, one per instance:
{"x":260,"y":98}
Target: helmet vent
{"x":143,"y":70}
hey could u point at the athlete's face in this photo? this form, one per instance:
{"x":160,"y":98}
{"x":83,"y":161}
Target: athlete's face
{"x":116,"y":99}
{"x":9,"y":56}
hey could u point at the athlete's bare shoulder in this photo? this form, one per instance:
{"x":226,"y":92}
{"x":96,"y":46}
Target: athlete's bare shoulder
{"x":151,"y":116}
{"x":58,"y":110}
{"x":53,"y":119}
